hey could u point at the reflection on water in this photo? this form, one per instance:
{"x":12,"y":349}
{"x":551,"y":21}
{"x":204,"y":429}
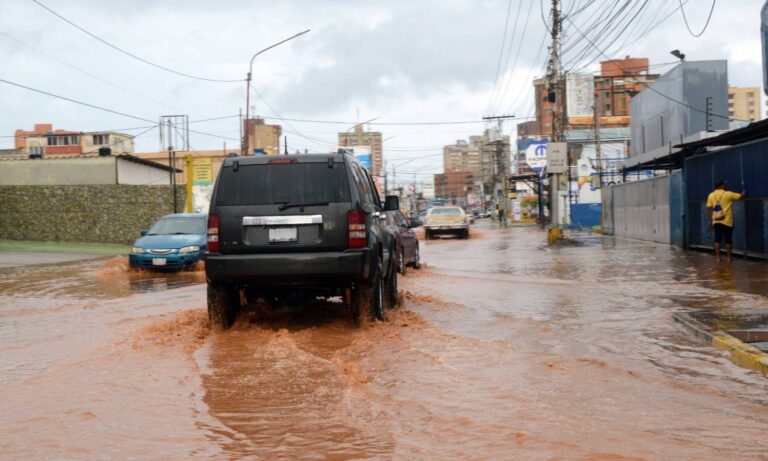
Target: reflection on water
{"x":504,"y":349}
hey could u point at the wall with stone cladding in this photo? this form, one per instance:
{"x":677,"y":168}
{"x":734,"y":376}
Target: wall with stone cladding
{"x":98,"y":214}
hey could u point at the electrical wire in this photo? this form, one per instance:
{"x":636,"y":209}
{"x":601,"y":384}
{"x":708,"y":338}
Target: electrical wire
{"x":685,"y":19}
{"x":650,"y":87}
{"x":501,"y":55}
{"x":84,"y":72}
{"x":127,"y":53}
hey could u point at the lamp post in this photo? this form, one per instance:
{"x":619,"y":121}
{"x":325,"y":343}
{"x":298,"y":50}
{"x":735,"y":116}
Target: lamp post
{"x":248,"y":89}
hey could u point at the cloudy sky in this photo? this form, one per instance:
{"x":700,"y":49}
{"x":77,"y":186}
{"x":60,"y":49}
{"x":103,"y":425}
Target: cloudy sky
{"x":400,"y":62}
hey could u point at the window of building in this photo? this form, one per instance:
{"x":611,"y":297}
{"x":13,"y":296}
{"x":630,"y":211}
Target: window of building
{"x":730,"y":105}
{"x":730,"y":96}
{"x":36,"y":150}
{"x":101,"y":139}
{"x":607,"y":107}
{"x":74,"y":140}
{"x":53,"y":141}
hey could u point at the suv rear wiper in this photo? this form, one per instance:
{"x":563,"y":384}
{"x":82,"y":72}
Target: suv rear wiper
{"x":285,"y":206}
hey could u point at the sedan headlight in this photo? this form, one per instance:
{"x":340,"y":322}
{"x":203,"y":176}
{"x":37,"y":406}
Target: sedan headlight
{"x":137,"y":250}
{"x":189,"y":249}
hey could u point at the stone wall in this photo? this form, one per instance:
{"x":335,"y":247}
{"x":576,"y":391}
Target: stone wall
{"x":99,"y":214}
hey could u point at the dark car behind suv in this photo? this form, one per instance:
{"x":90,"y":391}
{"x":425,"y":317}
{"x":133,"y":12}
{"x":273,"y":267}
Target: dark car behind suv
{"x":291,"y":228}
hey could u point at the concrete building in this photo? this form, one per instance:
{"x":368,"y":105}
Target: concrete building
{"x":480,"y":156}
{"x":216,"y":157}
{"x":81,"y":170}
{"x":464,"y":156}
{"x":455,"y":187}
{"x":744,"y":103}
{"x":372,"y":139}
{"x":43,"y":140}
{"x":262,"y":138}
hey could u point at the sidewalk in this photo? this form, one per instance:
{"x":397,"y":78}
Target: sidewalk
{"x":743,"y":333}
{"x":15,"y":253}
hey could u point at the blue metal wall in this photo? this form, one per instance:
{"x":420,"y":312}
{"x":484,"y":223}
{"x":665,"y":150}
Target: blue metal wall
{"x":585,"y":215}
{"x":676,"y":209}
{"x":747,"y":163}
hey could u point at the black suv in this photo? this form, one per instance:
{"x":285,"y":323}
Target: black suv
{"x":291,"y":228}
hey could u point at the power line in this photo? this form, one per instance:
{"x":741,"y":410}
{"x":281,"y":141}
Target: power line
{"x":337,"y":122}
{"x":84,"y":72}
{"x":685,"y":19}
{"x":76,"y":101}
{"x":127,"y":53}
{"x":92,"y":106}
{"x":650,"y":87}
{"x":501,"y":55}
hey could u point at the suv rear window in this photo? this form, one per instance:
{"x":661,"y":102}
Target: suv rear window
{"x":311,"y":182}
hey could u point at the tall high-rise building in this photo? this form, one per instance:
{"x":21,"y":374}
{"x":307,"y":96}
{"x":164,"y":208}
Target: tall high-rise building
{"x":744,"y":103}
{"x":371,"y":139}
{"x":262,"y":137}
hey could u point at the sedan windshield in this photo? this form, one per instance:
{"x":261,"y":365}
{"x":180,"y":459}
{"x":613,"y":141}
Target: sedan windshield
{"x":437,"y":211}
{"x":170,"y":226}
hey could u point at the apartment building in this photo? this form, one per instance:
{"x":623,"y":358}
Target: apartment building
{"x":744,"y":103}
{"x":44,"y":141}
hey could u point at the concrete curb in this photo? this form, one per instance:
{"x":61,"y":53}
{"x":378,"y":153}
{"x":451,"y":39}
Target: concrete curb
{"x":741,"y":353}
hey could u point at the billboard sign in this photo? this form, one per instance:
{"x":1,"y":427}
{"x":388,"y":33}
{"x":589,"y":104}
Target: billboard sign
{"x":536,"y":156}
{"x":557,"y":158}
{"x":362,"y":154}
{"x":580,"y":95}
{"x":202,"y":171}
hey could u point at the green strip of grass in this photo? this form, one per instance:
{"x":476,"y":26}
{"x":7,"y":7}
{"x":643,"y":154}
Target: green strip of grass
{"x":65,"y":247}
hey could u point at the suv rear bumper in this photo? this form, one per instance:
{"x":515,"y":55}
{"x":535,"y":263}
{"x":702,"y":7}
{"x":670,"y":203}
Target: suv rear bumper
{"x":289,"y":268}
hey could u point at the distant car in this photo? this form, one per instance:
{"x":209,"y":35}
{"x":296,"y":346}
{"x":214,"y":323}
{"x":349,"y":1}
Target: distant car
{"x":175,"y":241}
{"x":406,"y":243}
{"x":446,"y":220}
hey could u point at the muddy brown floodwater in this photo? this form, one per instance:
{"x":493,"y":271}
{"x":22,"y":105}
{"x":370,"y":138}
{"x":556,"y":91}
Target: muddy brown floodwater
{"x":502,"y":349}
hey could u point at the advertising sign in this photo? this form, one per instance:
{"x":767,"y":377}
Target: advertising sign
{"x":202,"y":171}
{"x":580,"y":95}
{"x":557,"y":158}
{"x":536,"y":156}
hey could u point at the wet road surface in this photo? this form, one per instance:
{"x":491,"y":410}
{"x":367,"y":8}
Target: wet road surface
{"x":502,"y":349}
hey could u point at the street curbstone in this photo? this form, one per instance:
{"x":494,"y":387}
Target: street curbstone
{"x":740,"y":353}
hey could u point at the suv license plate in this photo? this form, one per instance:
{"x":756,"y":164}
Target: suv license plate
{"x":283,"y":234}
{"x":159,"y":261}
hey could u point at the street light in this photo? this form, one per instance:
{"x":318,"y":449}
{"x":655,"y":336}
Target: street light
{"x":248,"y":86}
{"x":678,"y":54}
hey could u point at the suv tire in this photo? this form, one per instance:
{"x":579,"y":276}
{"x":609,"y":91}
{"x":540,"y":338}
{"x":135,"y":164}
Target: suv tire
{"x":223,"y":304}
{"x":369,"y":297}
{"x":390,"y":286}
{"x":417,"y":258}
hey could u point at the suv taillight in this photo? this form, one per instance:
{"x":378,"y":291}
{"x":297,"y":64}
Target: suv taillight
{"x":213,"y":234}
{"x":356,"y":231}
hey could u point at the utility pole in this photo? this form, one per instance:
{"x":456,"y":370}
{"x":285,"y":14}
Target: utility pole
{"x":598,"y":151}
{"x":501,"y":165}
{"x":556,"y":91}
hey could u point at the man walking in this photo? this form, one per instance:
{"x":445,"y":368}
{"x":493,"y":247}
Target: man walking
{"x":720,"y":212}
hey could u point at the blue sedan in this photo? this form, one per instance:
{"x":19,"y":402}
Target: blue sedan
{"x":175,"y":241}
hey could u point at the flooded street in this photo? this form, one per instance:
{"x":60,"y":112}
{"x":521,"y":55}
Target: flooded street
{"x":502,"y":349}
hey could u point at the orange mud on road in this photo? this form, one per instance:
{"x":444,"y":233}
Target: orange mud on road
{"x":502,"y":349}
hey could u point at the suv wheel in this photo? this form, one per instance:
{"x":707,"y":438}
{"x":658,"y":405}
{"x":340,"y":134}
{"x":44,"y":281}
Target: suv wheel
{"x":391,"y":285}
{"x":369,"y":298}
{"x":223,"y":304}
{"x":401,"y":266}
{"x":417,"y":259}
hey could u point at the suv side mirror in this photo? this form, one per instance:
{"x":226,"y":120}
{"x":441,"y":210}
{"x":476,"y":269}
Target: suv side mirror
{"x":391,"y":203}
